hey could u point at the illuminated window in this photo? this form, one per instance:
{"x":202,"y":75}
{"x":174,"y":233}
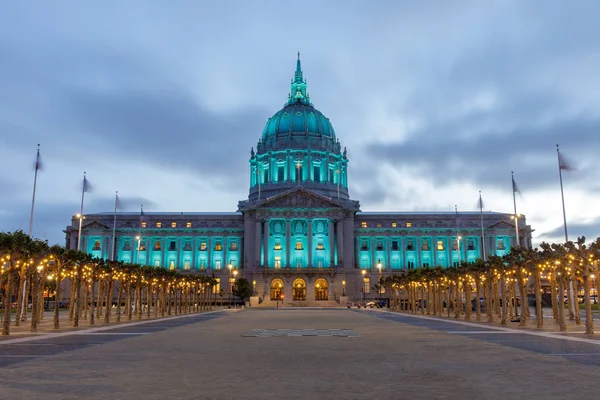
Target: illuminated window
{"x":277,"y":246}
{"x":203,"y":246}
{"x":298,"y":263}
{"x":157,"y":263}
{"x":409,"y":224}
{"x":218,"y":246}
{"x":394,"y":224}
{"x":186,"y":265}
{"x":159,"y":224}
{"x":367,"y":285}
{"x":277,"y":262}
{"x":173,"y":224}
{"x":379,"y":225}
{"x":172,"y":264}
{"x":320,"y":246}
{"x":363,"y":224}
{"x":143,"y":224}
{"x":440,"y":245}
{"x":299,"y":245}
{"x":501,"y":245}
{"x":233,"y":246}
{"x":425,"y":245}
{"x":157,"y":245}
{"x":142,"y":246}
{"x":202,"y":264}
{"x":217,"y":286}
{"x":218,"y":264}
{"x":298,"y":171}
{"x":96,"y":245}
{"x":188,"y":224}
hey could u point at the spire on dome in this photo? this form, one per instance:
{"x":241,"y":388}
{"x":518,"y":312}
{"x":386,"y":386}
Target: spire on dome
{"x":298,"y":92}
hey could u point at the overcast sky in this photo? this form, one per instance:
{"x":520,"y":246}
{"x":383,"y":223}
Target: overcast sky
{"x":435,"y":101}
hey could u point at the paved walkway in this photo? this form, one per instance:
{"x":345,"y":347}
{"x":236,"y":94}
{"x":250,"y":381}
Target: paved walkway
{"x":300,"y":354}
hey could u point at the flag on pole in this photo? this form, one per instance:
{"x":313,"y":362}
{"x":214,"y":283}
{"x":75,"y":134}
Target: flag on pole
{"x":480,"y":202}
{"x":38,"y":161}
{"x":564,"y":164}
{"x":515,"y":187}
{"x":142,"y":216}
{"x":87,"y":187}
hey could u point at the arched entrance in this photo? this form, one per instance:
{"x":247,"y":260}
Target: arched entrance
{"x":299,"y":289}
{"x":321,"y":289}
{"x":276,"y":289}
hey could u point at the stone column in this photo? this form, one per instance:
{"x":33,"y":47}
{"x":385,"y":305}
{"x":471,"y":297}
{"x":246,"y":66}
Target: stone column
{"x":340,"y":242}
{"x":194,"y":242}
{"x":266,"y":243}
{"x":209,"y":261}
{"x":331,"y":244}
{"x":373,"y":260}
{"x":388,"y":244}
{"x":257,"y":237}
{"x":288,"y":250}
{"x":418,"y":252}
{"x":309,"y":230}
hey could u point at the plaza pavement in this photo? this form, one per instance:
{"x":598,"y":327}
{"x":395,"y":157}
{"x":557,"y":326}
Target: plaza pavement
{"x":392,"y":356}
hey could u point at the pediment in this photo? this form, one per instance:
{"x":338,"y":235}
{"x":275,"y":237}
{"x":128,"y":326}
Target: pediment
{"x":502,"y":225}
{"x":299,"y":198}
{"x":95,"y":225}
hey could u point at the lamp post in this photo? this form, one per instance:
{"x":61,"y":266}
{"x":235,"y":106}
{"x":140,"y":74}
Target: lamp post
{"x":379,"y":266}
{"x":516,"y":219}
{"x":235,"y":272}
{"x":230,"y":266}
{"x":364,"y":272}
{"x":80,"y":217}
{"x":279,"y":295}
{"x":344,"y":288}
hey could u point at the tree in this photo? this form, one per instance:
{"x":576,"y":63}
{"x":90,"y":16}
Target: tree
{"x":242,"y":288}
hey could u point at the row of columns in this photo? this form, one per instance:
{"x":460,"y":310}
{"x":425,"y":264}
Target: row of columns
{"x":332,"y":248}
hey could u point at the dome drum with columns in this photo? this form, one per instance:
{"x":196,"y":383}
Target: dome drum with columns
{"x":298,"y":147}
{"x":298,"y":236}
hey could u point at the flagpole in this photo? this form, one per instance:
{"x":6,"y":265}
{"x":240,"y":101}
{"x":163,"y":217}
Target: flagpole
{"x":562,"y":195}
{"x":518,"y":239}
{"x":457,"y":237}
{"x":482,"y":231}
{"x":81,"y":213}
{"x":37,"y":167}
{"x":114,"y":235}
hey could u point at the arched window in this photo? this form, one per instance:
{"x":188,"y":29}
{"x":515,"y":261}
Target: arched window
{"x":321,"y":289}
{"x":276,"y":289}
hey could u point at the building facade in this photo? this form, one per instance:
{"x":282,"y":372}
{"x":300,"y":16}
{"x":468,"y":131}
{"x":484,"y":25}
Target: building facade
{"x":298,"y":234}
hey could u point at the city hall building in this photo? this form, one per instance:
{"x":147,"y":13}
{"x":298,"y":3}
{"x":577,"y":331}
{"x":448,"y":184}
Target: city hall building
{"x":298,"y":234}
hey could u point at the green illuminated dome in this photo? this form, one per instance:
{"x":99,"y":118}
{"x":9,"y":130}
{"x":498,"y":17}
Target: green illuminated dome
{"x":298,"y":117}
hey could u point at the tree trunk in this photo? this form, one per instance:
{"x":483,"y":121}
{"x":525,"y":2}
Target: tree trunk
{"x":478,"y":299}
{"x":8,"y":301}
{"x":77,"y":306}
{"x":576,"y":297}
{"x":72,"y":295}
{"x":538,"y":298}
{"x":34,"y":300}
{"x":524,"y":305}
{"x":589,"y":321}
{"x":128,"y":301}
{"x":489,"y":306}
{"x":93,"y":300}
{"x":119,"y":299}
{"x":468,"y":296}
{"x":496,"y":302}
{"x":554,"y":294}
{"x":86,"y":299}
{"x":109,"y":299}
{"x":570,"y":297}
{"x":561,"y":303}
{"x":57,"y":298}
{"x":20,"y":294}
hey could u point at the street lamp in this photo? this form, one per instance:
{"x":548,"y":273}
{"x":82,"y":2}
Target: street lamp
{"x":279,"y":294}
{"x":379,"y":266}
{"x":230,"y":266}
{"x":344,"y":288}
{"x":516,"y":219}
{"x":80,"y":217}
{"x":364,"y":272}
{"x":235,"y":272}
